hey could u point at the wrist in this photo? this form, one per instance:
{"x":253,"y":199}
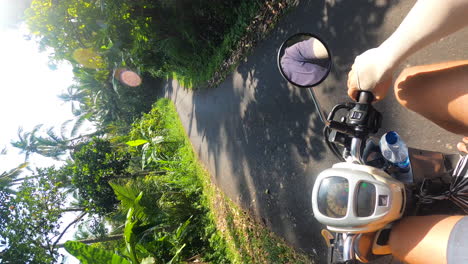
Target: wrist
{"x":391,"y":55}
{"x":387,"y":60}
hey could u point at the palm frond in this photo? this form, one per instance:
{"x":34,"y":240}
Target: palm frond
{"x":51,"y":133}
{"x":63,"y":128}
{"x":78,"y":124}
{"x":13,"y":173}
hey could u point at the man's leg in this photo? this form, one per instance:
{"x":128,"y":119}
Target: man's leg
{"x":427,"y":239}
{"x":438,"y":92}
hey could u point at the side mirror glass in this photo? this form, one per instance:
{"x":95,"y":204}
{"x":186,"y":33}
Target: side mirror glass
{"x":304,"y":60}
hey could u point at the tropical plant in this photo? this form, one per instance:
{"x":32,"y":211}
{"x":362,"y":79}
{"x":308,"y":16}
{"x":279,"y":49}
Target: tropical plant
{"x":90,"y":255}
{"x":51,"y":144}
{"x":103,"y":33}
{"x":95,"y":164}
{"x":134,"y":232}
{"x":151,"y":151}
{"x":30,"y":220}
{"x":10,"y":177}
{"x":27,"y":142}
{"x":153,"y":136}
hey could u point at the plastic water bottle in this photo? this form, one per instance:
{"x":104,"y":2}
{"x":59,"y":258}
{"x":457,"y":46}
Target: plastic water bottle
{"x":395,"y":151}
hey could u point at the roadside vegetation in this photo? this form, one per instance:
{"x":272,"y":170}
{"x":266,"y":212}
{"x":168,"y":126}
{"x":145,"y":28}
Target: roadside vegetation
{"x":141,"y":198}
{"x":133,"y":188}
{"x":182,"y":39}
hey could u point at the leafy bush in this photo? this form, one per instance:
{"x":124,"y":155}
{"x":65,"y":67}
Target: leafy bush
{"x":95,"y":164}
{"x":178,"y":191}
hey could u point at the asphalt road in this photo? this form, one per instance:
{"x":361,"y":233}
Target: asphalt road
{"x":260,"y":138}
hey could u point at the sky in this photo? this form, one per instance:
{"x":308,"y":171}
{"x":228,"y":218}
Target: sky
{"x":28,"y":97}
{"x":28,"y":92}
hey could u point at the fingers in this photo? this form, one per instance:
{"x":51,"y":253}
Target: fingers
{"x":353,"y":93}
{"x":352,"y":84}
{"x":381,"y":89}
{"x":462,"y":146}
{"x":353,"y":90}
{"x":351,"y":78}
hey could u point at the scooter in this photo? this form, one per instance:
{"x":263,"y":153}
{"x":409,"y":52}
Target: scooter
{"x":360,"y":197}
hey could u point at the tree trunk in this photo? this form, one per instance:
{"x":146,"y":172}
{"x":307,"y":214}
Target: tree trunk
{"x":95,"y":240}
{"x":82,"y":136}
{"x":15,"y":181}
{"x":68,"y":226}
{"x":73,"y":209}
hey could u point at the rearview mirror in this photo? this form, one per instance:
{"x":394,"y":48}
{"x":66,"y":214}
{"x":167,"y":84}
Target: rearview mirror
{"x":304,"y":60}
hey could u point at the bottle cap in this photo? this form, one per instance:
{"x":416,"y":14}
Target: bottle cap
{"x":391,"y":137}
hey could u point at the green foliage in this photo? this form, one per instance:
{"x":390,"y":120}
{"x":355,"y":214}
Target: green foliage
{"x":129,"y":199}
{"x":95,"y":164}
{"x":30,"y":219}
{"x":204,"y":65}
{"x":153,"y":150}
{"x":97,"y":37}
{"x":171,"y":243}
{"x":90,"y":255}
{"x":7,"y":178}
{"x":48,"y":143}
{"x":153,"y":147}
{"x":129,"y":235}
{"x":93,"y":226}
{"x":159,"y":213}
{"x":136,"y":143}
{"x":134,"y":231}
{"x":157,"y":129}
{"x":178,"y":191}
{"x":182,"y":38}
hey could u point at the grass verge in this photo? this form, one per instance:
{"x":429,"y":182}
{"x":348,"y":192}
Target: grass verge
{"x":249,"y":241}
{"x":255,"y":20}
{"x":234,"y":235}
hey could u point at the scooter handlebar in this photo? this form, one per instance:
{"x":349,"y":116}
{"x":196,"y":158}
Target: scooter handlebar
{"x":365,"y":97}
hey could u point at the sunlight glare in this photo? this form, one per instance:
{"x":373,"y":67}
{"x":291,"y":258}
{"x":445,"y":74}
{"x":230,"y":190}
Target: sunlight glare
{"x":28,"y":89}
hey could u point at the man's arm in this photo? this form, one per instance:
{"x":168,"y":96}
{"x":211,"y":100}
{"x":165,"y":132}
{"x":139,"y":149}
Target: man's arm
{"x":428,"y":21}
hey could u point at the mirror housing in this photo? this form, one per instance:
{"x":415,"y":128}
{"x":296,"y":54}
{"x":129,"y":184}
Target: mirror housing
{"x":304,"y":60}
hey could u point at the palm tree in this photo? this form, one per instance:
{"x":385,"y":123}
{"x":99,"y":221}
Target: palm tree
{"x":8,"y":178}
{"x":78,"y":97}
{"x":51,"y":145}
{"x":74,"y":94}
{"x":27,"y":141}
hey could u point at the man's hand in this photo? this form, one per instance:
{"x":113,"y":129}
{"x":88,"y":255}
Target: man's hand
{"x":375,"y":74}
{"x":462,"y":145}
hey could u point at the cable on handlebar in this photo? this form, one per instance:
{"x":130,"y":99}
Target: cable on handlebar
{"x":332,"y":147}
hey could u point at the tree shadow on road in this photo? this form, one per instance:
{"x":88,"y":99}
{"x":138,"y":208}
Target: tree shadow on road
{"x":261,"y":138}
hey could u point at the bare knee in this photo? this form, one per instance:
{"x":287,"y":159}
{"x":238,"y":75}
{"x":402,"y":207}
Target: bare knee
{"x":406,"y":88}
{"x":437,"y":94}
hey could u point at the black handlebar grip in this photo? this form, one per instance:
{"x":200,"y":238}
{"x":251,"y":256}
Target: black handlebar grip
{"x":365,"y":97}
